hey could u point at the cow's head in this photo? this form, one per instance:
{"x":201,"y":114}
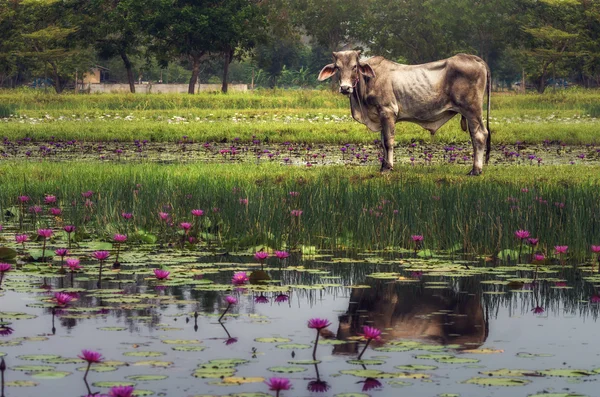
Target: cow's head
{"x":349,"y":67}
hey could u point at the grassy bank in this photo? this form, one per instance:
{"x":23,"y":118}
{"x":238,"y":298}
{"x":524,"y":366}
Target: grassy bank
{"x":278,"y":116}
{"x":341,"y":207}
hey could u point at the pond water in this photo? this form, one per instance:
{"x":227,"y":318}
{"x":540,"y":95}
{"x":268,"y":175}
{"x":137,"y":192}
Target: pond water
{"x":292,"y":153}
{"x":445,"y":323}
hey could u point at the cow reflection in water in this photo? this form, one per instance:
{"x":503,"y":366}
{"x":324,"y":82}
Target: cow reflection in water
{"x":409,"y":311}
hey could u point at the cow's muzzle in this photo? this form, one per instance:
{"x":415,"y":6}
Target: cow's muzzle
{"x":346,"y":89}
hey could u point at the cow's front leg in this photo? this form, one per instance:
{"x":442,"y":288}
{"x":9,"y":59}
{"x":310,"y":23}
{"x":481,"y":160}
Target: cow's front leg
{"x":388,"y":124}
{"x":479,"y":137}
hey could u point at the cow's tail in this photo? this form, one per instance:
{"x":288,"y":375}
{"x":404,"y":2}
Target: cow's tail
{"x":489,"y":101}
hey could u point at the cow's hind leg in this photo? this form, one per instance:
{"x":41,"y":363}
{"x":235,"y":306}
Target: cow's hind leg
{"x":388,"y":124}
{"x":479,"y":136}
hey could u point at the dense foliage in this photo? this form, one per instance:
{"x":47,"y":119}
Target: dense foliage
{"x":286,"y":42}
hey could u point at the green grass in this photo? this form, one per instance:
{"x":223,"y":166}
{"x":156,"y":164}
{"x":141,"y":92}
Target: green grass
{"x":341,"y":205}
{"x":278,"y":116}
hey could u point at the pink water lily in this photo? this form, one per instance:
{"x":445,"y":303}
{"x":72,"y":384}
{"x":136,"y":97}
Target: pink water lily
{"x":62,"y":299}
{"x":73,"y":264}
{"x":370,"y":334}
{"x":231,"y":300}
{"x":101,"y":255}
{"x":239,"y":278}
{"x":21,"y":239}
{"x":120,"y":238}
{"x":522,"y":234}
{"x":161,"y":274}
{"x":69,"y":229}
{"x":91,"y":356}
{"x":561,"y":249}
{"x":281,"y":255}
{"x":318,"y":324}
{"x":45,"y":233}
{"x":261,"y":255}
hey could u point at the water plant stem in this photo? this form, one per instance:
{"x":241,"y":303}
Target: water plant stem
{"x":364,"y":349}
{"x":316,"y":344}
{"x":225,"y":312}
{"x":87,"y":370}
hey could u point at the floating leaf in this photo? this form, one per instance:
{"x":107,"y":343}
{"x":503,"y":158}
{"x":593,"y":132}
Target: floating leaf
{"x":50,"y":375}
{"x":145,"y":378}
{"x":491,"y":381}
{"x":21,"y":383}
{"x":143,"y":354}
{"x":287,"y":370}
{"x":567,"y":373}
{"x":293,"y":346}
{"x":272,"y":340}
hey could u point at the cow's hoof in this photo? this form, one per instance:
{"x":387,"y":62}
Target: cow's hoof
{"x":474,"y":172}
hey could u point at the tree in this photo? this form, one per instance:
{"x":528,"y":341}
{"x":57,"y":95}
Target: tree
{"x":331,"y":23}
{"x":551,"y":28}
{"x":48,"y":40}
{"x":117,"y":28}
{"x":239,"y":25}
{"x":182,"y":29}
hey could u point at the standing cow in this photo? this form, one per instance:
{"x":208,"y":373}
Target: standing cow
{"x":383,"y":92}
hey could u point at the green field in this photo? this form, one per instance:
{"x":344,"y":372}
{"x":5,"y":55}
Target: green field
{"x":279,"y":116}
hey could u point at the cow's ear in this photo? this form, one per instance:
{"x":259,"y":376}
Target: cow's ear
{"x":366,"y":70}
{"x":327,"y":72}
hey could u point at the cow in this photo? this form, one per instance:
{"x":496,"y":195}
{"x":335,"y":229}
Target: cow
{"x":383,"y":93}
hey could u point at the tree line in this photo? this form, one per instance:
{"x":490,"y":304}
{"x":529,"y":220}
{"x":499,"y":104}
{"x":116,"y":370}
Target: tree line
{"x":286,"y":42}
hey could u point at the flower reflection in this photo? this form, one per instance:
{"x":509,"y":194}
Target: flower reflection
{"x":261,"y":299}
{"x":537,"y":310}
{"x":318,"y":386}
{"x":5,"y":331}
{"x":370,"y":384}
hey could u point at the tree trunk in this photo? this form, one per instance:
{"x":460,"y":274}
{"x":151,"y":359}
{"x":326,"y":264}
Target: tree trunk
{"x":195,"y":73}
{"x":228,"y":59}
{"x":129,"y":68}
{"x":57,"y":84}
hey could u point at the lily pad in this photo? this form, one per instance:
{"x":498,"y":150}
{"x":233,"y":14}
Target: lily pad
{"x":144,"y":378}
{"x":50,"y":375}
{"x":491,"y":381}
{"x":287,"y":370}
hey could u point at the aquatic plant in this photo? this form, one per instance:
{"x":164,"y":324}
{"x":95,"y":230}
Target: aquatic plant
{"x":370,"y":334}
{"x":45,"y":234}
{"x":62,"y":299}
{"x":21,"y":239}
{"x":101,"y":256}
{"x":161,"y":274}
{"x":92,"y":357}
{"x":521,"y":235}
{"x":69,"y":229}
{"x":317,"y":324}
{"x":62,"y":252}
{"x":239,"y":278}
{"x":119,"y":239}
{"x":231,"y":300}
